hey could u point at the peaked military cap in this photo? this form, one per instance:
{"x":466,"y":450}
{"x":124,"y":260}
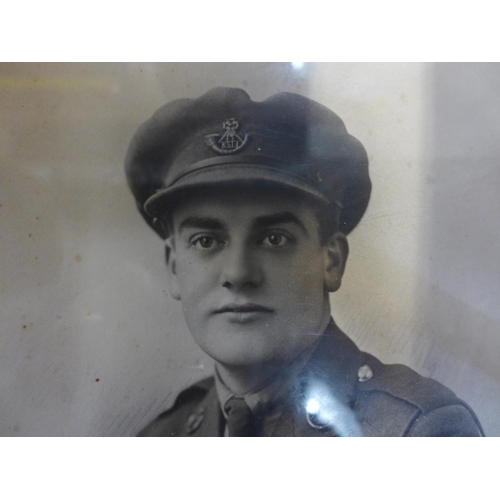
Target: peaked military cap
{"x":224,"y":137}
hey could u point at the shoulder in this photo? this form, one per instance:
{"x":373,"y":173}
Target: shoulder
{"x":394,"y":400}
{"x":172,"y":422}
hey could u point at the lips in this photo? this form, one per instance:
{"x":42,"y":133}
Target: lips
{"x":243,"y":308}
{"x":243,"y":314}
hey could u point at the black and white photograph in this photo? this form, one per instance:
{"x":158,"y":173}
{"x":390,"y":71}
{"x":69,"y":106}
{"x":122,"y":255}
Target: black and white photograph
{"x":250,"y":249}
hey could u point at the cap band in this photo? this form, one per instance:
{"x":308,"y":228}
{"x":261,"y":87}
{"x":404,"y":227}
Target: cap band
{"x":256,"y":161}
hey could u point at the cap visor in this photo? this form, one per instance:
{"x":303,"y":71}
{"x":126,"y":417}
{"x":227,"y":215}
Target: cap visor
{"x":217,"y":175}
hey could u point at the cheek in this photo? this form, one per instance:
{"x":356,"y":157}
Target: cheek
{"x":301,"y":285}
{"x":192,"y":288}
{"x":306,"y":278}
{"x":194,"y":278}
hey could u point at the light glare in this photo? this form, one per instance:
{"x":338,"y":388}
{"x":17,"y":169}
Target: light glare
{"x":312,"y":406}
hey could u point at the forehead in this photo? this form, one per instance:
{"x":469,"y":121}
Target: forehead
{"x":241,"y":205}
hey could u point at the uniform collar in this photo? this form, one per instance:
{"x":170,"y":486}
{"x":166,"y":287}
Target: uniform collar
{"x":335,"y":362}
{"x":332,"y":369}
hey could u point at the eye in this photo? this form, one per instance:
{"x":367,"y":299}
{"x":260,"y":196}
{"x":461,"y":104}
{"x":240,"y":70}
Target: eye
{"x":275,"y":240}
{"x":204,"y":243}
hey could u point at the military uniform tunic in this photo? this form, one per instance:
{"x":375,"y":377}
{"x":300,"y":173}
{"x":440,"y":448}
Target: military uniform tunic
{"x":362,"y":396}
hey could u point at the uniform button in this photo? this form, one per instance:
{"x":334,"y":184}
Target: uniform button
{"x":364,"y":373}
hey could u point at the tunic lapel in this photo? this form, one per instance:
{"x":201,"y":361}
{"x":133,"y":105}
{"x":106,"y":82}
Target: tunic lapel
{"x":332,"y":371}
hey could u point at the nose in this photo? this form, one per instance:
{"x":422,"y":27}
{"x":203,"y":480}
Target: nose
{"x":240,"y":268}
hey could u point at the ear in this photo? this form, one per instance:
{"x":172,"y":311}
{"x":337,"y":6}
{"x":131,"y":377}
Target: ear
{"x":336,"y":250}
{"x":170,"y":259}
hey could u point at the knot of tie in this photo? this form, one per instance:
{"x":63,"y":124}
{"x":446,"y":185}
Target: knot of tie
{"x":241,"y":422}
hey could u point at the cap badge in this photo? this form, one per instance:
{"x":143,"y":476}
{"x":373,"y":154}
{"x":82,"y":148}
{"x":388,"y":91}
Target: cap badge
{"x":230,"y":141}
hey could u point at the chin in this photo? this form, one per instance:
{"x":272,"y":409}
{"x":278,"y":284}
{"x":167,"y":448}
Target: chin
{"x":239,"y":345}
{"x":252,"y":348}
{"x":247,"y":360}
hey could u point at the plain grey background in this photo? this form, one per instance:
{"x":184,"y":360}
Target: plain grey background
{"x":90,"y":343}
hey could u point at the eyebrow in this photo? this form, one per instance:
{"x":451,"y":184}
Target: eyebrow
{"x":258,"y":223}
{"x":279,"y":218}
{"x":202,"y":223}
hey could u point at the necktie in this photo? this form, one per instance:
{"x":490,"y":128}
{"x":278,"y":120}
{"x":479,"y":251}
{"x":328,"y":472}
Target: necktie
{"x":240,"y":420}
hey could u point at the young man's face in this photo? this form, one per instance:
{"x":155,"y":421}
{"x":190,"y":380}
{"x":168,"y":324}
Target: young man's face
{"x":252,"y":275}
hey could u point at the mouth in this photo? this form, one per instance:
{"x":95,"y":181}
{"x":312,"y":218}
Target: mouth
{"x":242,"y":308}
{"x":243,"y":313}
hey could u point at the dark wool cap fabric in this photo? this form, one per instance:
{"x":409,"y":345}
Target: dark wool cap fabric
{"x":224,"y":137}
